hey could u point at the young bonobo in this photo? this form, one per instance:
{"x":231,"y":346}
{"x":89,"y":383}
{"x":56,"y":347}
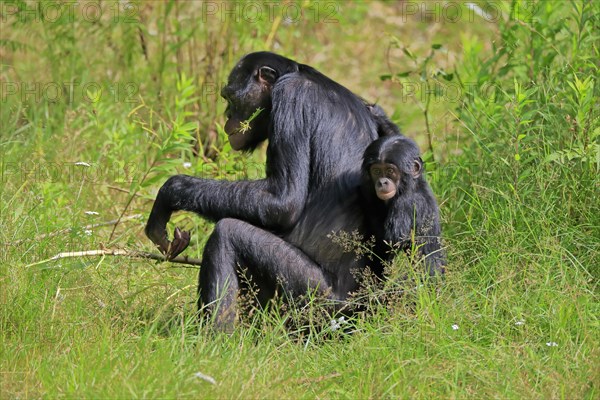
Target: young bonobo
{"x":400,"y":206}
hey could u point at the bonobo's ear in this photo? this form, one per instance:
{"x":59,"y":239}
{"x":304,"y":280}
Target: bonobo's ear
{"x":417,"y":167}
{"x":267,"y":74}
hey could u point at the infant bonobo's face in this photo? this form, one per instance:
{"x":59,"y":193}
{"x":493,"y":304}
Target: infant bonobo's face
{"x":385,"y":178}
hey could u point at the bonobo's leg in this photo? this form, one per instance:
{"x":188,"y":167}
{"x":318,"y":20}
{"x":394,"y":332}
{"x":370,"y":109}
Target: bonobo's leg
{"x":429,"y":235}
{"x":267,"y":258}
{"x":432,"y":251}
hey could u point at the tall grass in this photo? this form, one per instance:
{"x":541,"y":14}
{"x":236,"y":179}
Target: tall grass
{"x":514,"y":160}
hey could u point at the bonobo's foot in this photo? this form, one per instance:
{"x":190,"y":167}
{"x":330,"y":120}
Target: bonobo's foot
{"x":181,"y":240}
{"x":437,"y":271}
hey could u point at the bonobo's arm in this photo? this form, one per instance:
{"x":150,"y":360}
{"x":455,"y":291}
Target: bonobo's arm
{"x":429,"y":236}
{"x":274,"y":203}
{"x":401,"y":222}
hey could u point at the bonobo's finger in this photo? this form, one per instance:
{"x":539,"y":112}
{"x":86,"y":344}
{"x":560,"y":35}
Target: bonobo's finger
{"x":162,"y":244}
{"x":181,"y":235}
{"x":181,"y":240}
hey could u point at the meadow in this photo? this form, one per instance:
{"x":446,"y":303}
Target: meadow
{"x":101,"y":102}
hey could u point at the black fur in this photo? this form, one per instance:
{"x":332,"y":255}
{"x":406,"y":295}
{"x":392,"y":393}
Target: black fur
{"x":412,"y":209}
{"x":385,"y":127}
{"x":276,"y":228}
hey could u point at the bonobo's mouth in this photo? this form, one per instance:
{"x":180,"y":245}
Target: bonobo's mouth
{"x":386,"y":195}
{"x":232,"y":126}
{"x":237,"y":138}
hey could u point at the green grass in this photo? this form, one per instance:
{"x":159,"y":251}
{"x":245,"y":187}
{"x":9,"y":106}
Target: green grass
{"x":515,"y":166}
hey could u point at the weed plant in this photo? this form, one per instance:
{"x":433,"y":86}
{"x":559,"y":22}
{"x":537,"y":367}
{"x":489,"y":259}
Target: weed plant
{"x":97,"y":110}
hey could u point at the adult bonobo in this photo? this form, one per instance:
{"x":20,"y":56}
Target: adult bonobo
{"x":400,"y":206}
{"x":274,"y":231}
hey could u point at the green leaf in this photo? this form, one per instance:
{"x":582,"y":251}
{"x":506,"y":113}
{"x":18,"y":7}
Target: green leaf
{"x":388,"y":77}
{"x":190,"y":126}
{"x":408,"y":53}
{"x":152,"y":180}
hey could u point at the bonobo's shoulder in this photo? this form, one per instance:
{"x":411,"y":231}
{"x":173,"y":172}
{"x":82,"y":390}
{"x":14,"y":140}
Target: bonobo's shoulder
{"x":307,"y":76}
{"x":295,"y":89}
{"x":316,"y":89}
{"x":292,"y":82}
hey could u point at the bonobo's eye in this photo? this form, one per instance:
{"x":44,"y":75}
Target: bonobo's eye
{"x":389,"y":172}
{"x":376,"y":172}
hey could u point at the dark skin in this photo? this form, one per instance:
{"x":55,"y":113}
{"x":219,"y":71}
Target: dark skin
{"x":401,"y":207}
{"x":385,"y":177}
{"x":274,"y":231}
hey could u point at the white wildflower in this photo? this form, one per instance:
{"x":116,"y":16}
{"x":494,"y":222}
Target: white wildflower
{"x":552,"y":344}
{"x":187,"y":164}
{"x":454,"y":327}
{"x":92,"y":213}
{"x":206,"y":378}
{"x":335,"y":325}
{"x":519,"y":323}
{"x":82,"y":164}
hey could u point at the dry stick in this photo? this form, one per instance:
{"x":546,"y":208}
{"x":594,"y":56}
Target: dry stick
{"x":305,"y":380}
{"x":120,"y":252}
{"x":318,"y":378}
{"x":85,"y":228}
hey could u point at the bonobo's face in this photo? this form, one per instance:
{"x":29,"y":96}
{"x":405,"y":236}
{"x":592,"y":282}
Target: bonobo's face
{"x":248,"y":95}
{"x":386,"y":180}
{"x":393,"y":166}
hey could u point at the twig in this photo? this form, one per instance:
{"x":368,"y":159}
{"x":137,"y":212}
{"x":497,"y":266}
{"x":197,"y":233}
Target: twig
{"x":318,"y":378}
{"x":67,"y":230}
{"x":307,"y":379}
{"x":119,"y":252}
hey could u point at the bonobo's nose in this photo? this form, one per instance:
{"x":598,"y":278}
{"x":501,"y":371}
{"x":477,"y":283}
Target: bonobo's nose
{"x":226,"y":92}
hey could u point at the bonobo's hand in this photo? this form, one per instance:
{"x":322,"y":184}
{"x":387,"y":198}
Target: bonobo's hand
{"x":181,"y":240}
